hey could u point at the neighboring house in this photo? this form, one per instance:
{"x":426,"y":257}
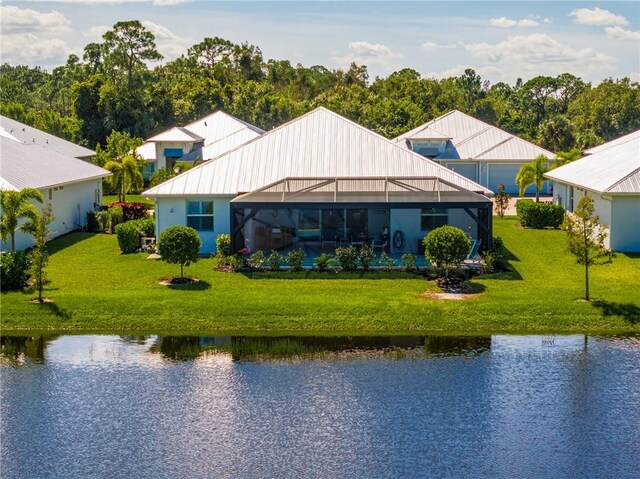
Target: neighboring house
{"x":201,"y":140}
{"x":317,"y":182}
{"x":610,"y":174}
{"x":32,"y":136}
{"x":72,"y":186}
{"x":479,"y":151}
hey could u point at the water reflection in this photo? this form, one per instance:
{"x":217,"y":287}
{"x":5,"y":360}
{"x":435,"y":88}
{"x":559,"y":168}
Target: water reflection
{"x":16,"y":349}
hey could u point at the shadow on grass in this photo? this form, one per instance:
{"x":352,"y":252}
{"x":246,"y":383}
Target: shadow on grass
{"x":511,"y":274}
{"x":330,"y":275}
{"x":199,"y":286}
{"x":509,"y":256}
{"x":628,"y":311}
{"x":70,"y":239}
{"x":57,"y":310}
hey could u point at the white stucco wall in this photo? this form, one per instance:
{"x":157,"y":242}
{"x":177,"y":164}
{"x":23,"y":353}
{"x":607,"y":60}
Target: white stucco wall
{"x":160,"y":147}
{"x":625,"y":224}
{"x":70,"y":204}
{"x":173,"y":211}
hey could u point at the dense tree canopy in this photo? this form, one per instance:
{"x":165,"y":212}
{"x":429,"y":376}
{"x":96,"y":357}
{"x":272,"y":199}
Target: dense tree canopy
{"x":113,"y":87}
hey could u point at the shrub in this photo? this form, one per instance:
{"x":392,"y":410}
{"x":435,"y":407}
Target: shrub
{"x":386,"y":261}
{"x":348,"y":257}
{"x":366,"y":257}
{"x":274,"y":261}
{"x":117,"y":216}
{"x":539,"y":215}
{"x":488,"y":261}
{"x":408,"y":262}
{"x":128,"y":237}
{"x":179,"y":245}
{"x":130,"y":210}
{"x":129,"y":233}
{"x":223,"y":244}
{"x":14,"y":270}
{"x":499,"y":253}
{"x":295,"y":258}
{"x":256,"y":260}
{"x":324,"y":262}
{"x":92,"y":222}
{"x":446,"y":247}
{"x":501,"y":201}
{"x":104,"y":221}
{"x":228,"y":264}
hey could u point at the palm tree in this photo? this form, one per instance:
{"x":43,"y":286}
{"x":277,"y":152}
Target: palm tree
{"x":532,"y":174}
{"x":15,"y":206}
{"x":126,"y":175}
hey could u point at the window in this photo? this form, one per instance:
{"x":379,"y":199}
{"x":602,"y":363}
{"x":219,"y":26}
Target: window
{"x":432,"y":218}
{"x":309,"y":219}
{"x":200,"y":215}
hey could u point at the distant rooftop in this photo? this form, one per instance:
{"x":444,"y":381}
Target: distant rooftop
{"x":32,"y":136}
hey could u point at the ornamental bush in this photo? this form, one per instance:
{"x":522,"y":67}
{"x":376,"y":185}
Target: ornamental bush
{"x":386,"y":261}
{"x":179,"y":245}
{"x":408,"y":262}
{"x":446,"y":247}
{"x":348,"y":258}
{"x":128,"y":234}
{"x":117,"y":216}
{"x":295,"y":258}
{"x":366,"y":257}
{"x":92,"y":222}
{"x":324,"y":262}
{"x":104,"y":221}
{"x":256,"y":260}
{"x":130,"y":210}
{"x":539,"y":215}
{"x":223,"y":244}
{"x":274,"y":261}
{"x":14,"y":270}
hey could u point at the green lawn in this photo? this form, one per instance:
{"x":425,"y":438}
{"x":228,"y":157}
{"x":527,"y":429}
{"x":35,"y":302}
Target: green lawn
{"x":130,"y":198}
{"x":98,"y":290}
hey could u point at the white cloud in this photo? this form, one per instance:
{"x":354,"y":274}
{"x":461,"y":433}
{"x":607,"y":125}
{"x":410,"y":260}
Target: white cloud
{"x":365,"y":53}
{"x":486,"y":71}
{"x":430,"y":46}
{"x":597,"y":16}
{"x":96,"y":31}
{"x":163,"y":3}
{"x":635,"y":76}
{"x":27,"y":48}
{"x":622,"y":34}
{"x":25,"y":20}
{"x":539,"y":53}
{"x":160,"y":31}
{"x":504,"y":22}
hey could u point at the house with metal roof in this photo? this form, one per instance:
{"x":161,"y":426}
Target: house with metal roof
{"x":479,"y":151}
{"x":32,"y":136}
{"x":318,"y":182}
{"x":610,"y":174}
{"x":72,"y":186}
{"x":201,"y":140}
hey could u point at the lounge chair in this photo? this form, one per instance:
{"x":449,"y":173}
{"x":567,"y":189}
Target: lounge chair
{"x":473,"y":251}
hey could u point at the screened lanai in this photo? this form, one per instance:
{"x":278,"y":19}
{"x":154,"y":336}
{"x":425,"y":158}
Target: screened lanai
{"x":391,"y":214}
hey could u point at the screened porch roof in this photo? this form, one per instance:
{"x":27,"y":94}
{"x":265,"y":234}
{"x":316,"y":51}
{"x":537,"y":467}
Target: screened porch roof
{"x":361,"y":190}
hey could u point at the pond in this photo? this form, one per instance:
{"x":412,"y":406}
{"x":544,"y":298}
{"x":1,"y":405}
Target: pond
{"x":238,"y":407}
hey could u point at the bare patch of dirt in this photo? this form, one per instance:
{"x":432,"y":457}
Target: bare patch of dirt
{"x":44,"y":300}
{"x":441,"y":295}
{"x":170,"y":281}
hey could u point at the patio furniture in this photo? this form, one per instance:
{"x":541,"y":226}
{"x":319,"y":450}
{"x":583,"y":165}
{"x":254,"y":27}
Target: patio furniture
{"x":473,"y":255}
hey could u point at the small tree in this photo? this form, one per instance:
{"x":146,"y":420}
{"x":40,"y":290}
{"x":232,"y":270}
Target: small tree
{"x":532,"y":174}
{"x":586,"y":238}
{"x":179,"y":245}
{"x":501,"y":201}
{"x":15,"y":206}
{"x":446,"y":247}
{"x":38,"y":227}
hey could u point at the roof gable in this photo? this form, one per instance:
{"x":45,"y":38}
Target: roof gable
{"x":475,"y":139}
{"x":318,"y":144}
{"x":178,"y":134}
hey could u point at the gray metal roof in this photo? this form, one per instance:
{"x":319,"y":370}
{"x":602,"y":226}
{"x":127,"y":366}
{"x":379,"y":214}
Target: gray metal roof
{"x":318,"y":144}
{"x":472,"y":139}
{"x":32,"y":136}
{"x":34,"y":166}
{"x":613,"y":169}
{"x":219,"y":131}
{"x":618,"y":141}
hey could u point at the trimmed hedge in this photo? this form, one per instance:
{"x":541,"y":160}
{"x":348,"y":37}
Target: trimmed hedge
{"x":539,"y":215}
{"x":129,"y":233}
{"x":130,"y":211}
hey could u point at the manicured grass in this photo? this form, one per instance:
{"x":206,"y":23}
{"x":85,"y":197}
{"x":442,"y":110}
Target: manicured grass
{"x":131,"y":199}
{"x":98,"y":290}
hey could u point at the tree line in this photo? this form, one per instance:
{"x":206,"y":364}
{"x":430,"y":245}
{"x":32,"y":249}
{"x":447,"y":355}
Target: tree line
{"x":114,"y":86}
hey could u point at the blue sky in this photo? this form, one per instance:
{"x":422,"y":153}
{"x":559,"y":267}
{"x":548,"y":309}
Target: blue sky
{"x":500,"y":40}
